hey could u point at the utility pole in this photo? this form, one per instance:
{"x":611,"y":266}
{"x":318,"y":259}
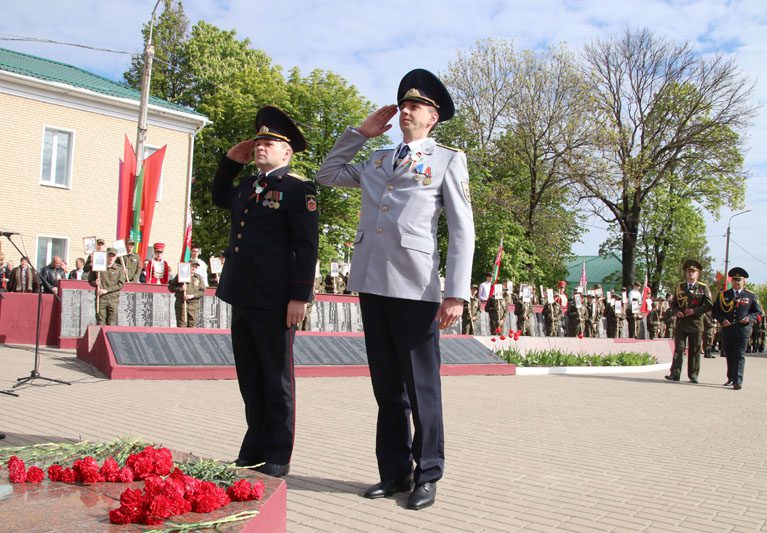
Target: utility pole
{"x":145,"y":83}
{"x":727,"y":249}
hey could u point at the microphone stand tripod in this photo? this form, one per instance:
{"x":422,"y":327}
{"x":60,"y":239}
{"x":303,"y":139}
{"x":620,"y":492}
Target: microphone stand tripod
{"x":35,"y":373}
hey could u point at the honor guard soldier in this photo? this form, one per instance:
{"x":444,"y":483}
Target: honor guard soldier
{"x":552,"y":316}
{"x":525,"y":316}
{"x":395,"y":271}
{"x":108,"y":286}
{"x":188,"y":297}
{"x":495,"y":311}
{"x":268,"y":278}
{"x":576,"y":315}
{"x":157,"y":270}
{"x":736,"y":309}
{"x":691,"y":300}
{"x":132,"y":262}
{"x":593,"y":315}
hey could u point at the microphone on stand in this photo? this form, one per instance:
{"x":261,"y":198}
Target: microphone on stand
{"x":8,"y":233}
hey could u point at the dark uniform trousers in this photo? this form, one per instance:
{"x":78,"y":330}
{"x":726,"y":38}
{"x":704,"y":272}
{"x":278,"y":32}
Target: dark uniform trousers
{"x":402,"y":342}
{"x":734,"y":341}
{"x":263,"y":356}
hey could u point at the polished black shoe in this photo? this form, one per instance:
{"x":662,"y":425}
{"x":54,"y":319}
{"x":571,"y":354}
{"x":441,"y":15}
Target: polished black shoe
{"x":729,"y":382}
{"x":670,"y":378}
{"x":423,"y":495}
{"x":244,"y":463}
{"x":274,"y":470}
{"x":693,"y":380}
{"x":390,"y":487}
{"x":737,"y":386}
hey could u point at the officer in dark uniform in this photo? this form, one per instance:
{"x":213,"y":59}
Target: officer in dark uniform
{"x":268,"y":278}
{"x":736,"y":309}
{"x":691,"y":300}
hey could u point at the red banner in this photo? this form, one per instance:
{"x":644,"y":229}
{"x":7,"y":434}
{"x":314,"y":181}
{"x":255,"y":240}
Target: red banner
{"x":126,"y":185}
{"x":152,"y":172}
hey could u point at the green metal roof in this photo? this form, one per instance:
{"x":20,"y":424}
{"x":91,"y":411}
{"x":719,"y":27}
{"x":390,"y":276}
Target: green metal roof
{"x":48,"y":70}
{"x":598,"y":269}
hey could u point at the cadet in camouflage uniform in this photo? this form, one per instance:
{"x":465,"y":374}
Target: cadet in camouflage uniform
{"x":191,"y":293}
{"x":691,"y":300}
{"x":661,"y":325}
{"x":576,"y":316}
{"x":593,"y":315}
{"x":552,"y":316}
{"x":470,"y":312}
{"x":131,"y":262}
{"x":615,"y":320}
{"x":496,"y":313}
{"x":108,"y":285}
{"x":318,"y":287}
{"x":669,"y":321}
{"x":525,"y":317}
{"x":709,"y":327}
{"x":654,"y":321}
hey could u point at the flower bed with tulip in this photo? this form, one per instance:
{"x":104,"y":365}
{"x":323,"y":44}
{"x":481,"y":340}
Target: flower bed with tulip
{"x":553,"y":358}
{"x":169,"y":489}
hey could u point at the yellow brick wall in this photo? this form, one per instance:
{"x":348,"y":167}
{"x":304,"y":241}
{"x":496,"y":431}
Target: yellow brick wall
{"x":89,"y":206}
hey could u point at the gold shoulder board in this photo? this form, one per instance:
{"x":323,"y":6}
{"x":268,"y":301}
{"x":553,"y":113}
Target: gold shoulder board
{"x":297,"y":176}
{"x":450,"y":147}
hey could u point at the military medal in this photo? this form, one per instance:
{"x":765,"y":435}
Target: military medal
{"x":272,"y":199}
{"x":379,"y":162}
{"x":427,"y":179}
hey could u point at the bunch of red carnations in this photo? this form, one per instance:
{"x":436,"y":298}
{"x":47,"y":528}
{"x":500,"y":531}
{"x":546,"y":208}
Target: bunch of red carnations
{"x":167,"y":490}
{"x":177,"y":494}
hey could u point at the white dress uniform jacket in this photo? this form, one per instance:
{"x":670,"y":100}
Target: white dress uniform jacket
{"x":395,"y":250}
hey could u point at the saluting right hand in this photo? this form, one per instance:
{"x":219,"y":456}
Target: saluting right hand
{"x":242,"y":152}
{"x":378,"y":122}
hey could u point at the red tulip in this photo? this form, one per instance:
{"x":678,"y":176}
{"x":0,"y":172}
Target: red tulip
{"x":517,"y":335}
{"x":503,"y":338}
{"x":580,"y":335}
{"x":492,"y":339}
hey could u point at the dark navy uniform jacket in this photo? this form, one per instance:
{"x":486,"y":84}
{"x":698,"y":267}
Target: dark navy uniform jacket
{"x":272,"y":251}
{"x":728,"y":307}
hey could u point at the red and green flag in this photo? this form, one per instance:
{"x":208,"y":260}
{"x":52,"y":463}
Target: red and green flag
{"x":496,"y":268}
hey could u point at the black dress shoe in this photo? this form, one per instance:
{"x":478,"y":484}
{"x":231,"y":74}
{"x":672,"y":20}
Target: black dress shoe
{"x":670,"y":378}
{"x":729,"y":382}
{"x":244,"y":463}
{"x":274,"y":470}
{"x":737,"y":386}
{"x":423,"y":495}
{"x":390,"y":487}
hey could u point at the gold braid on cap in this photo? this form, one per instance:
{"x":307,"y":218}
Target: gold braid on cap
{"x":415,"y":94}
{"x":265,"y":131}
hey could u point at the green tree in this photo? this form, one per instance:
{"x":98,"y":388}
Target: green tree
{"x":665,"y":112}
{"x":169,"y":81}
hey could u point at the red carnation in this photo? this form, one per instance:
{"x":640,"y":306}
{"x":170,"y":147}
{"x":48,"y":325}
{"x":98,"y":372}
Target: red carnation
{"x":54,"y":472}
{"x":131,"y":498}
{"x":160,"y":507}
{"x":205,"y":503}
{"x":240,"y":491}
{"x":121,"y":516}
{"x":126,"y":475}
{"x":68,"y":476}
{"x":110,"y":470}
{"x":17,"y":471}
{"x":35,"y":475}
{"x":258,"y":490}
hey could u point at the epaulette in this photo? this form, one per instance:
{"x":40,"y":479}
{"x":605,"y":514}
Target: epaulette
{"x":700,"y":283}
{"x":450,"y":147}
{"x":297,"y":176}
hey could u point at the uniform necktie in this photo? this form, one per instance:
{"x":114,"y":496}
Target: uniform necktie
{"x":689,"y":287}
{"x":404,"y":151}
{"x":737,"y":294}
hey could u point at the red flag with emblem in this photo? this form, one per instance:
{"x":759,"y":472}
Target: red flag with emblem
{"x":496,"y":268}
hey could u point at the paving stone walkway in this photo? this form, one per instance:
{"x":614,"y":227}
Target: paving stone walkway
{"x":533,"y":453}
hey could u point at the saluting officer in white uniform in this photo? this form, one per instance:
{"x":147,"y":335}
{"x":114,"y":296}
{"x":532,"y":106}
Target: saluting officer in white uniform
{"x":395,"y":270}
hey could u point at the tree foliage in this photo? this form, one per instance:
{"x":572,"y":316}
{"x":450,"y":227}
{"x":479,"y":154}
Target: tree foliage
{"x":667,"y":116}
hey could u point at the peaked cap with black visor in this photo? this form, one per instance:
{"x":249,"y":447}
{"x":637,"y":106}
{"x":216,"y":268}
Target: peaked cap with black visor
{"x":272,"y":123}
{"x":420,"y":85}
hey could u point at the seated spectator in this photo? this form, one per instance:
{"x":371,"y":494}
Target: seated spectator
{"x":23,"y":279}
{"x":78,"y":272}
{"x":52,"y":274}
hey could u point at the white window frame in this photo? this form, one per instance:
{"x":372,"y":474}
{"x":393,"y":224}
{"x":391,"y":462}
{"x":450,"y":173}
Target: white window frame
{"x":49,"y":250}
{"x":149,"y":150}
{"x":53,"y":157}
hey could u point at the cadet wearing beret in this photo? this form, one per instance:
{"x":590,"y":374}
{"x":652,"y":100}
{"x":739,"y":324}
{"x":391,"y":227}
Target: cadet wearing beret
{"x":736,"y":309}
{"x":268,"y":278}
{"x":691,"y":300}
{"x":395,"y":271}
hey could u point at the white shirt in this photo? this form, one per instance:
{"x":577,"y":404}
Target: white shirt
{"x":414,"y":147}
{"x":484,"y":290}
